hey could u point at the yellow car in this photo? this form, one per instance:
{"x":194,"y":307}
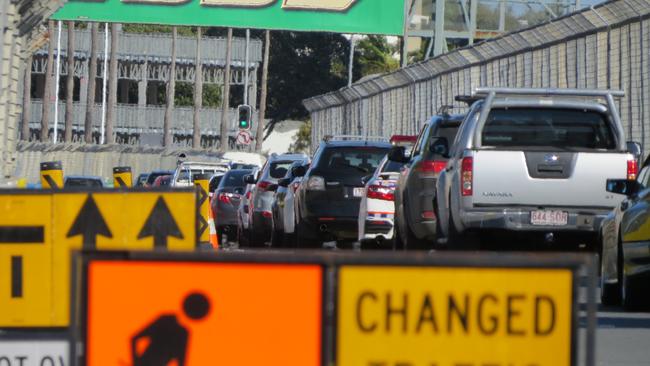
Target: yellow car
{"x":625,"y":240}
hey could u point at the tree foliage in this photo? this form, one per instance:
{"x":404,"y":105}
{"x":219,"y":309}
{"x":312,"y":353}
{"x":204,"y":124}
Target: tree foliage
{"x":302,"y":142}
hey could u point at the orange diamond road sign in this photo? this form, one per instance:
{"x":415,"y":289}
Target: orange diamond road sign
{"x":150,"y":312}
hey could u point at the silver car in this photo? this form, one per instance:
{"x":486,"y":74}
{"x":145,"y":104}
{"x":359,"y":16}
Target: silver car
{"x":261,"y":200}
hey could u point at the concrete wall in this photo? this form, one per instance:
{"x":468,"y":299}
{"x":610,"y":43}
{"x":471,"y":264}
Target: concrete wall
{"x":99,"y":160}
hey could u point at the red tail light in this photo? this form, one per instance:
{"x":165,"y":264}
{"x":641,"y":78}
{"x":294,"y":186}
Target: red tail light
{"x":248,"y":195}
{"x":632,"y":169}
{"x":223,"y":197}
{"x":467,"y":176}
{"x":295,"y":186}
{"x":267,"y":214}
{"x":227,"y":197}
{"x":381,"y":192}
{"x":431,"y":168}
{"x":263,"y":185}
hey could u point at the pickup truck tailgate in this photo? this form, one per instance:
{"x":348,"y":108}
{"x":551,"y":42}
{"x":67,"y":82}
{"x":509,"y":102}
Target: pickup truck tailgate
{"x":564,"y":179}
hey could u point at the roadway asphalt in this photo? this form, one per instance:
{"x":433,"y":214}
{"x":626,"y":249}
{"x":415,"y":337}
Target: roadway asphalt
{"x":622,"y":338}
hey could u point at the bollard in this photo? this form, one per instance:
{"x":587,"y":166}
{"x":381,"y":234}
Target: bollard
{"x":202,"y":184}
{"x":52,"y":175}
{"x":122,"y":177}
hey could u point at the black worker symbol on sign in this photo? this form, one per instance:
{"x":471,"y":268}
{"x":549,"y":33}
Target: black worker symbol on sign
{"x":166,"y":340}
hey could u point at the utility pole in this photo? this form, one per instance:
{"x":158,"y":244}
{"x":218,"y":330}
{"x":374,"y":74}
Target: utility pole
{"x":259,"y":139}
{"x":171,"y":94}
{"x":92,"y":82}
{"x":47,"y":94}
{"x":225,"y":106}
{"x":112,"y":89}
{"x":27,"y":98}
{"x":69,"y":87}
{"x":198,"y":93}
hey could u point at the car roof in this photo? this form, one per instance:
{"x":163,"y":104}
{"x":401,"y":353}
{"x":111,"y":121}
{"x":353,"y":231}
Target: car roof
{"x":356,"y":143}
{"x":448,"y":120}
{"x":166,"y":172}
{"x":288,"y":157}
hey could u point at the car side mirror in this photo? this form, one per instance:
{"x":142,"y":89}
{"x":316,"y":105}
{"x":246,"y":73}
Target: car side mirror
{"x":365,"y":179}
{"x":250,"y":179}
{"x":284,"y":182}
{"x":272,"y":188}
{"x":440,"y":146}
{"x":298,"y":171}
{"x":397,"y":154}
{"x":622,"y":186}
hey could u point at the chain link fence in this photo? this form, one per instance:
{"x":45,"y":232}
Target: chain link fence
{"x":603,"y":47}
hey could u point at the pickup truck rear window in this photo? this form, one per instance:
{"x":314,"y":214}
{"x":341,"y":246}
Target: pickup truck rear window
{"x":548,"y":127}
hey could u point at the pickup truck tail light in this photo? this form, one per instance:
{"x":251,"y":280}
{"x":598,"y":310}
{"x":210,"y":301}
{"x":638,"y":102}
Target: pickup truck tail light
{"x":632,"y":169}
{"x":294,"y":186}
{"x":378,"y":192}
{"x":467,"y":176}
{"x":431,"y":168}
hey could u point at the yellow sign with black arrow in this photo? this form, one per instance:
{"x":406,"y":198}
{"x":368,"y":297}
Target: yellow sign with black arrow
{"x":38,"y":232}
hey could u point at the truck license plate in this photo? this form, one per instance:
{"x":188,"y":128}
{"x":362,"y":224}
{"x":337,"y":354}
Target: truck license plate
{"x":549,"y":218}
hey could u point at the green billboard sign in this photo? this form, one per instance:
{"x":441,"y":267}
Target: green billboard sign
{"x":339,"y":16}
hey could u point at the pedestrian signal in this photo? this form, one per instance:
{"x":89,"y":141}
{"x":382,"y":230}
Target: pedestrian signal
{"x":245,"y":120}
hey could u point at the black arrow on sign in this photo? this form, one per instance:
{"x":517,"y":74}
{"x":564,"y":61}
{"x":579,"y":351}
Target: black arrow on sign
{"x":90,"y":224}
{"x":120,"y":182}
{"x":160,"y":225}
{"x":203,"y":224}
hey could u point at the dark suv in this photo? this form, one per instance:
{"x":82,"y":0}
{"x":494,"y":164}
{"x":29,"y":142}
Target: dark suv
{"x":327,"y":201}
{"x":415,"y":218}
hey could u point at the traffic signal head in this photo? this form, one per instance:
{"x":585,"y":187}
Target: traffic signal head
{"x":245,"y":120}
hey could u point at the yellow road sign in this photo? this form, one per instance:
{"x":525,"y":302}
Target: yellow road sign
{"x":25,"y":259}
{"x":202,"y":184}
{"x":52,"y":175}
{"x":122,"y":177}
{"x":421,"y":316}
{"x":138,"y":220}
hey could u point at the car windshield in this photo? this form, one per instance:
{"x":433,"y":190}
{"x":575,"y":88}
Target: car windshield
{"x":82,"y":182}
{"x":214,"y":182}
{"x":279,"y":169}
{"x":152,"y":177}
{"x":392,"y":167}
{"x":548,"y":127}
{"x":447,"y":131}
{"x":185,"y":174}
{"x":234,"y":179}
{"x":351,"y":161}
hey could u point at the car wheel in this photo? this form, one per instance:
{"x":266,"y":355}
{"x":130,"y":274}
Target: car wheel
{"x":304,"y":238}
{"x":461,"y":241}
{"x":276,"y":239}
{"x":610,"y":293}
{"x":242,"y":237}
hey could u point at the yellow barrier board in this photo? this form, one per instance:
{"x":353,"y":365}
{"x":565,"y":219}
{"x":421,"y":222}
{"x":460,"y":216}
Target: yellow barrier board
{"x":418,"y":316}
{"x":113,"y":220}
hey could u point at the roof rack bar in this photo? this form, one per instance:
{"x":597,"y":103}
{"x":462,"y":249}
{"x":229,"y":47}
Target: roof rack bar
{"x":550,"y":91}
{"x":354,"y":138}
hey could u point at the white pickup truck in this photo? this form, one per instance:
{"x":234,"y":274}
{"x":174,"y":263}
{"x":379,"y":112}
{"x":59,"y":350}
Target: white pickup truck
{"x":534,"y":162}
